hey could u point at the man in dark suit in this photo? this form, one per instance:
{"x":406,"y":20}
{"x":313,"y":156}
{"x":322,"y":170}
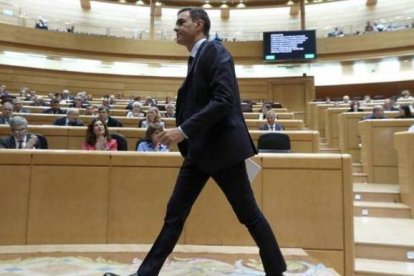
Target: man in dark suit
{"x":214,"y":140}
{"x":377,"y":113}
{"x":271,"y":122}
{"x":20,"y":138}
{"x":54,"y":107}
{"x":71,"y":118}
{"x":7,"y":112}
{"x":103,"y":113}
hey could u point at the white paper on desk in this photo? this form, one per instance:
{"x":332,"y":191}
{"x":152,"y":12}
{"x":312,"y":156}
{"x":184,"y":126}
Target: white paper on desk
{"x":252,"y":169}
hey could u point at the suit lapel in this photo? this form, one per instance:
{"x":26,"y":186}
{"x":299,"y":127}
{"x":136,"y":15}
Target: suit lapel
{"x":193,"y":65}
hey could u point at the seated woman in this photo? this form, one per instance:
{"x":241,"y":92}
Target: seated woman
{"x":153,"y":117}
{"x":151,"y":139}
{"x":98,"y":138}
{"x":136,"y":111}
{"x":405,"y":112}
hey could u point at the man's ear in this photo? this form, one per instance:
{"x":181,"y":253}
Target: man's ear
{"x":200,"y":23}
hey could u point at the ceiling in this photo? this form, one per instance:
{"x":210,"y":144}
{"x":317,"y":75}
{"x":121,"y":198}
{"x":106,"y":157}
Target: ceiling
{"x":216,"y":3}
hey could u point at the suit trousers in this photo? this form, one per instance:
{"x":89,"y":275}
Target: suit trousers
{"x":235,"y":184}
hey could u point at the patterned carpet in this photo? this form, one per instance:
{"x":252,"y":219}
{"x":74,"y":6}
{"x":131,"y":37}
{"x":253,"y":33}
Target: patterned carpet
{"x":180,"y":264}
{"x":71,"y":266}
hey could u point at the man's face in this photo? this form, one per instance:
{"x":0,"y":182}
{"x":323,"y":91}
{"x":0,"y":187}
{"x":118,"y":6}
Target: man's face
{"x":19,"y":131}
{"x":270,"y":119}
{"x":54,"y":105}
{"x":378,"y":113}
{"x":7,"y":110}
{"x":170,"y":109}
{"x":72,"y":116}
{"x":186,"y":30}
{"x":103,"y":115}
{"x":17,"y":105}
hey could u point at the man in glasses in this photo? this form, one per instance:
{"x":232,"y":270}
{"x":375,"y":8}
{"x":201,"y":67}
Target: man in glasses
{"x":20,"y":138}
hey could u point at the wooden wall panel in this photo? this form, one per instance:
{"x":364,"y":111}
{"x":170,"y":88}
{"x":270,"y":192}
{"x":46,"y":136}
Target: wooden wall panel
{"x":404,"y":144}
{"x":15,"y":173}
{"x":79,"y":197}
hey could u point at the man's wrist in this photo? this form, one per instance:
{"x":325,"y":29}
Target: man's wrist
{"x":183,"y":133}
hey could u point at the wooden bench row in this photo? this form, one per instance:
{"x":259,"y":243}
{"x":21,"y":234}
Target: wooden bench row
{"x":123,"y":112}
{"x":78,"y":197}
{"x":64,"y":137}
{"x":48,"y":119}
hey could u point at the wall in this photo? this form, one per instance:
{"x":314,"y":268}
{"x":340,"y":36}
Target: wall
{"x":120,"y":197}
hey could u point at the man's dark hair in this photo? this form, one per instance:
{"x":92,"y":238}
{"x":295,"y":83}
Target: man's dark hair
{"x":199,"y":14}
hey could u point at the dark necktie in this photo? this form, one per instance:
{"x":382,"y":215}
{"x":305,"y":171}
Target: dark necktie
{"x":20,"y":146}
{"x":271,"y":128}
{"x":190,"y":63}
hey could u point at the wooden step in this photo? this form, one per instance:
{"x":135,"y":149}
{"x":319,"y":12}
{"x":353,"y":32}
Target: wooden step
{"x":359,"y":177}
{"x":329,"y":150}
{"x":389,"y":239}
{"x":365,"y":267}
{"x":376,"y":192}
{"x":357,"y":168}
{"x":381,"y":209}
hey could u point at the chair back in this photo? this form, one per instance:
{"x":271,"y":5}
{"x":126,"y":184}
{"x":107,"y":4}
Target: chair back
{"x":121,"y":141}
{"x":43,"y":144}
{"x":274,"y":142}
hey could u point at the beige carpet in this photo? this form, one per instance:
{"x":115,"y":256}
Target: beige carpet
{"x":125,"y":259}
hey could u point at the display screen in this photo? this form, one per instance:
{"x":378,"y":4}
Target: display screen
{"x":289,"y":46}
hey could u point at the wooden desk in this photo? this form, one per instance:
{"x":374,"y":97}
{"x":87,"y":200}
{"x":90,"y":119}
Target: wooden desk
{"x":120,"y":197}
{"x":64,"y":137}
{"x":378,"y":156}
{"x":349,"y":139}
{"x":404,"y":144}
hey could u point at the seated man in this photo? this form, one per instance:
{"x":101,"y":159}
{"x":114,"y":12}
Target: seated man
{"x":271,"y":125}
{"x":389,"y":105}
{"x":377,"y":113}
{"x":18,"y":107}
{"x":169,"y":111}
{"x":71,"y":118}
{"x":20,"y":138}
{"x":54,"y":107}
{"x":405,"y":96}
{"x":103,"y":114}
{"x":7,"y":112}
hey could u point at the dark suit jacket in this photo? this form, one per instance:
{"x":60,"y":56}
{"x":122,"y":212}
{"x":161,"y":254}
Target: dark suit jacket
{"x":2,"y":121}
{"x":51,"y":111}
{"x":62,"y":122}
{"x":9,"y":143}
{"x":208,"y":110}
{"x":266,"y":127}
{"x":113,"y":122}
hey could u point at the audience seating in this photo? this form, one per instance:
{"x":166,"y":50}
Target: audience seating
{"x":280,"y":115}
{"x":274,"y":142}
{"x":254,"y":124}
{"x":43,"y":144}
{"x":122,"y":144}
{"x":67,"y":137}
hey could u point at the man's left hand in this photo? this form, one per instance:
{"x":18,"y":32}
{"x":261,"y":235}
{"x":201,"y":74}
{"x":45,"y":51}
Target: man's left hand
{"x":171,"y":136}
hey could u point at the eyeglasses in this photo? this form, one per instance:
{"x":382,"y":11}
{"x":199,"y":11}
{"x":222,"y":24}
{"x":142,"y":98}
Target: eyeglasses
{"x":19,"y":129}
